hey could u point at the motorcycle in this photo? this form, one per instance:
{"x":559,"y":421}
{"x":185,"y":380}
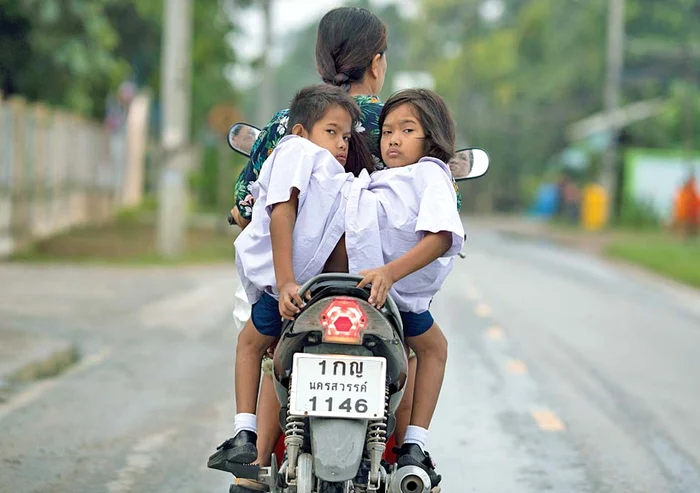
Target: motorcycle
{"x":339,"y":371}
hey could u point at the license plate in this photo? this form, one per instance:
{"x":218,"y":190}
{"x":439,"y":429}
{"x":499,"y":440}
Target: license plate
{"x":338,"y":386}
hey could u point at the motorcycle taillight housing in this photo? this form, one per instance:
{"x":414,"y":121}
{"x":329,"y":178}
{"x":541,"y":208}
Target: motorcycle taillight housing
{"x":343,"y":321}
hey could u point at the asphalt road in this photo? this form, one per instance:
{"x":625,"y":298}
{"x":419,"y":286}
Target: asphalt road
{"x":566,"y":374}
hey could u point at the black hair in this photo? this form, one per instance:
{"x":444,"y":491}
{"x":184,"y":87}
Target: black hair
{"x":348,"y":40}
{"x":434,"y":116}
{"x":309,"y":106}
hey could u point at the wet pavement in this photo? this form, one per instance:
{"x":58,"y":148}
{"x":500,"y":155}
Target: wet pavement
{"x":566,"y":374}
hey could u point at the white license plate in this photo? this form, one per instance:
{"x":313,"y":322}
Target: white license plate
{"x":338,"y":386}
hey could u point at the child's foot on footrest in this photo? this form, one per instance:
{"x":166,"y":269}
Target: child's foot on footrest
{"x":240,"y":449}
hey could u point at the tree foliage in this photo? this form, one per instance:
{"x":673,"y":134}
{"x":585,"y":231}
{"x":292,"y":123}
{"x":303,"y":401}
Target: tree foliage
{"x":517,"y":82}
{"x":73,"y":53}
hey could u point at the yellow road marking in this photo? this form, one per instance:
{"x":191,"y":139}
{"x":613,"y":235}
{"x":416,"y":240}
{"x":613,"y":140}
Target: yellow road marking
{"x":516,"y":367}
{"x":472,"y":293}
{"x":482,"y":310}
{"x":495,"y":333}
{"x":548,"y":421}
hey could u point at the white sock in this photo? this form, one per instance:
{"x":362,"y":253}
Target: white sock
{"x":245,"y":421}
{"x":417,"y":435}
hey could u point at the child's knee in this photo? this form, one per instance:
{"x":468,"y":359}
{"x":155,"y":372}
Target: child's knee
{"x":250,"y":339}
{"x":432,"y":344}
{"x":440,"y":341}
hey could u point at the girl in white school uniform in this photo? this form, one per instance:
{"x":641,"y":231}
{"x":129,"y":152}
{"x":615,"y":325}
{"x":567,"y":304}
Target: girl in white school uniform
{"x":408,"y":246}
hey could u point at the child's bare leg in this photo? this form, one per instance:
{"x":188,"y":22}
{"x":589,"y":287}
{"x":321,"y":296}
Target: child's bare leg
{"x":268,"y":421}
{"x":431,"y":353}
{"x":249,"y":353}
{"x":338,"y":260}
{"x":241,"y":448}
{"x":403,"y":412}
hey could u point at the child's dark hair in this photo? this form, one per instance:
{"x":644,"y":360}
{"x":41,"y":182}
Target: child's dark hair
{"x":434,"y":117}
{"x":309,"y":106}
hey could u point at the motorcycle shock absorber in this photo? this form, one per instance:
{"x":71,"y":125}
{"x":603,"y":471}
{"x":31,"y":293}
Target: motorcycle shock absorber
{"x":293,"y":440}
{"x":376,"y":444}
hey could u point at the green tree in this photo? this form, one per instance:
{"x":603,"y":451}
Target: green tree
{"x":72,"y":53}
{"x":64,"y":52}
{"x":517,"y":82}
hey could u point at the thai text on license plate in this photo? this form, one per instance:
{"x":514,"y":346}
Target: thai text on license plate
{"x":338,"y":386}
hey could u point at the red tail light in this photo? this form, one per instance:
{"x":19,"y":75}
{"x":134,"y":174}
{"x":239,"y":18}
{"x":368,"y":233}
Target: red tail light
{"x":343,"y":321}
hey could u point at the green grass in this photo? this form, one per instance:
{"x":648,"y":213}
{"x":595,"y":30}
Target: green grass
{"x":660,"y":252}
{"x":129,"y":240}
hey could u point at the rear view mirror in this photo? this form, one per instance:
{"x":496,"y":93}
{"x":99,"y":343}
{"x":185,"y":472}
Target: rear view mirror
{"x":241,"y":138}
{"x":468,"y":164}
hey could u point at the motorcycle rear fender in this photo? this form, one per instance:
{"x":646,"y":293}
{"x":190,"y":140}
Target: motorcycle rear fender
{"x":337,"y":446}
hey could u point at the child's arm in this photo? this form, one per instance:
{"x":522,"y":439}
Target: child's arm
{"x":282,"y":220}
{"x":431,"y":247}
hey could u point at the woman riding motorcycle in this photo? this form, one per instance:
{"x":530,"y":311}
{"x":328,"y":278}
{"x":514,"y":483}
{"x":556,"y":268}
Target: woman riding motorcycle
{"x":350,"y":53}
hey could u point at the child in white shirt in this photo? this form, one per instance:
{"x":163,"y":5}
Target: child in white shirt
{"x":407,"y":248}
{"x":301,"y":195}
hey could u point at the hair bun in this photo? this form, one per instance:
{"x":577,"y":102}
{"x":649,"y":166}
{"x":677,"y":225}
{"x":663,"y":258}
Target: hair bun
{"x":340,"y":79}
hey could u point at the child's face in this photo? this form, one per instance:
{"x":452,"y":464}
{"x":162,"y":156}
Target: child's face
{"x":402,"y":140}
{"x":332,"y":132}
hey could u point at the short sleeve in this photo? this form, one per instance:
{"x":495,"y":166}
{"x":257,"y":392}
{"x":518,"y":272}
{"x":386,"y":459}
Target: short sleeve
{"x":437,"y":209}
{"x":291,"y":167}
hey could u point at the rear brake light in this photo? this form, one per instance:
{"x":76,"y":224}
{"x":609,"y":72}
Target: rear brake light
{"x":343,"y":321}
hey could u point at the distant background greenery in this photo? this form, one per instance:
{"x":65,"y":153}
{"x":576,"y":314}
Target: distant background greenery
{"x":514,"y":81}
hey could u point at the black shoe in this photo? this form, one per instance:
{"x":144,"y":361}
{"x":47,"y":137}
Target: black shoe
{"x":410,"y":454}
{"x":240,"y":449}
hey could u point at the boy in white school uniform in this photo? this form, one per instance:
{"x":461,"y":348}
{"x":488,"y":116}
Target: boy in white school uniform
{"x":301,"y":195}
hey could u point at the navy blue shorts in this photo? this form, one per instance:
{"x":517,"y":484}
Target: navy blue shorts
{"x":266,"y":317}
{"x":415,"y":324}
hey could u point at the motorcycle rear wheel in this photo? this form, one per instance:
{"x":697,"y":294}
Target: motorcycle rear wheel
{"x":325,"y":487}
{"x":305,"y":478}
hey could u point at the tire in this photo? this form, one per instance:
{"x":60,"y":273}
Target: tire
{"x":325,"y":487}
{"x":305,"y":477}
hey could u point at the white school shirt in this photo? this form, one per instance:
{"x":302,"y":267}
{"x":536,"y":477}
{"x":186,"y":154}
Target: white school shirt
{"x":389,"y":212}
{"x":323,"y":186}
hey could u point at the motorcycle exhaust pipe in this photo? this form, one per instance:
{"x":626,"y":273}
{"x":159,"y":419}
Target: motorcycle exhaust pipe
{"x":409,"y":479}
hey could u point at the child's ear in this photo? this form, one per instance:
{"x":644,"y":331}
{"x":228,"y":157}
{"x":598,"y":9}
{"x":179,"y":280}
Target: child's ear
{"x":299,"y":130}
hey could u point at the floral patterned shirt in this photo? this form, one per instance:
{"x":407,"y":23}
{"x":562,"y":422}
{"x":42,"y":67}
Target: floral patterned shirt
{"x":370,"y":107}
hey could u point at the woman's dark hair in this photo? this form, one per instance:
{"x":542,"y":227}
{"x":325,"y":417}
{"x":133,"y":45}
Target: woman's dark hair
{"x":309,"y":106}
{"x":348,"y":39}
{"x":434,"y":117}
{"x":359,"y":155}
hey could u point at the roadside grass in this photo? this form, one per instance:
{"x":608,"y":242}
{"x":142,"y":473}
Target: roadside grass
{"x":660,"y":252}
{"x":130,"y":240}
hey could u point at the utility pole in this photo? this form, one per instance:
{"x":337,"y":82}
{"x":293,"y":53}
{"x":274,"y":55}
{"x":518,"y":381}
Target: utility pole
{"x":266,"y":94}
{"x":176,"y":71}
{"x":613,"y":83}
